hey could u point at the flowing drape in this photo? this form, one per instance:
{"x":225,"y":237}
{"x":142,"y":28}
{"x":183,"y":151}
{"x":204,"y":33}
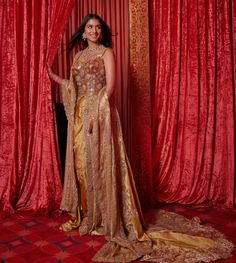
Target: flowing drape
{"x":29,"y":163}
{"x":193,"y":55}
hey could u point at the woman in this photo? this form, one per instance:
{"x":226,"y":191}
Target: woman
{"x":99,"y":191}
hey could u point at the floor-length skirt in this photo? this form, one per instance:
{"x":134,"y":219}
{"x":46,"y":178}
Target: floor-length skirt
{"x":108,"y":203}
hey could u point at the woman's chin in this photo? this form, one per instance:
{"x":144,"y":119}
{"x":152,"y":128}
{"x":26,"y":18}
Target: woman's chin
{"x":94,"y":40}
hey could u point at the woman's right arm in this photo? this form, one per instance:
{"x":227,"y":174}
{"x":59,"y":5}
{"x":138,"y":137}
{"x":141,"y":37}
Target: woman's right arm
{"x":53,"y":76}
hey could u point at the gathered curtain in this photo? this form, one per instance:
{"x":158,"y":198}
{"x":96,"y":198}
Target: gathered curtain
{"x":193,"y":60}
{"x":29,"y":162}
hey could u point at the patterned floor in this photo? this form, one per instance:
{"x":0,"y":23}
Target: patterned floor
{"x":27,"y":238}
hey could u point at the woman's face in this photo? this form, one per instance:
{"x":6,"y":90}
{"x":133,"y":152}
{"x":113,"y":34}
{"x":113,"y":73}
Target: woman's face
{"x":93,"y":31}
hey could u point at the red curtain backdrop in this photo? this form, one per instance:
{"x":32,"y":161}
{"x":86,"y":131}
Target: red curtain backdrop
{"x":193,"y":52}
{"x":29,"y":163}
{"x":193,"y":75}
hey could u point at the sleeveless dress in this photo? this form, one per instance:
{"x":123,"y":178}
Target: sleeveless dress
{"x":99,"y":189}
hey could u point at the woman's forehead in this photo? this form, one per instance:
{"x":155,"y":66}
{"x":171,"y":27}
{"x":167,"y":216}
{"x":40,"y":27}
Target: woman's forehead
{"x":93,"y":21}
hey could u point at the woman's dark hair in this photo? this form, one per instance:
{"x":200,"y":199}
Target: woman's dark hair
{"x":77,"y":38}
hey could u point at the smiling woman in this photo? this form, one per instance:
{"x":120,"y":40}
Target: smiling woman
{"x":93,"y":32}
{"x":99,"y":190}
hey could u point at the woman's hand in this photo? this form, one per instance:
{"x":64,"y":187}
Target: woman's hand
{"x":49,"y":69}
{"x":53,"y":76}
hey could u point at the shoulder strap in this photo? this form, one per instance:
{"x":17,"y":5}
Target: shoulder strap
{"x":104,"y":51}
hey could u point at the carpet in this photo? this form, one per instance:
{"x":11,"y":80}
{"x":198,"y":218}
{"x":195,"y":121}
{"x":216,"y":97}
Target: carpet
{"x":30,"y":238}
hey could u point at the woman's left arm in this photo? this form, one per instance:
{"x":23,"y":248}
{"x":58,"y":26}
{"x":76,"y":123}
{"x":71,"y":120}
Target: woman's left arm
{"x":110,"y":69}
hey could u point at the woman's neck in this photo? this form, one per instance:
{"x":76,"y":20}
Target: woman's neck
{"x":92,"y":45}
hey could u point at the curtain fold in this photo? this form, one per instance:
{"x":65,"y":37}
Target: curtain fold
{"x":193,"y":101}
{"x":29,"y":165}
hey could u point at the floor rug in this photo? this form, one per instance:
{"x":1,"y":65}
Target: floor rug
{"x":30,"y":238}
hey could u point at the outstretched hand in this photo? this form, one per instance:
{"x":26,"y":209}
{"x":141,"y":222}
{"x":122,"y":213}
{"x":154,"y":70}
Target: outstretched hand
{"x":49,"y":69}
{"x":52,"y":75}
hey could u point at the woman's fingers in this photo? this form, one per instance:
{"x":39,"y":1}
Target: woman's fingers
{"x":49,"y":69}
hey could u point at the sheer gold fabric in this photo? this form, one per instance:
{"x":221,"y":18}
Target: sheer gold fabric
{"x":99,"y":189}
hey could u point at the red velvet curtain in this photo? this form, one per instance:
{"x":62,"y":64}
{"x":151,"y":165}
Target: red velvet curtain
{"x":193,"y":52}
{"x":29,"y":163}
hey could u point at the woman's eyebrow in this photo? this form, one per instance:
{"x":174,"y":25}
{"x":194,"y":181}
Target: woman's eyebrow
{"x":93,"y":25}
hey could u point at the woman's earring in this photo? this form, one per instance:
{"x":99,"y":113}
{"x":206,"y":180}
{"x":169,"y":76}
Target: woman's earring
{"x":83,"y":37}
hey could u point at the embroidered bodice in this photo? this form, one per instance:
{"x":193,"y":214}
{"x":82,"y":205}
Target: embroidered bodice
{"x":88,"y":71}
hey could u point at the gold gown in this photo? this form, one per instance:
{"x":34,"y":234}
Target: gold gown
{"x":99,"y":189}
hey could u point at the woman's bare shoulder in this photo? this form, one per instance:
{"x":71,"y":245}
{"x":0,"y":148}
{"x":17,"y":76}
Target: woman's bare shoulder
{"x":108,"y":52}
